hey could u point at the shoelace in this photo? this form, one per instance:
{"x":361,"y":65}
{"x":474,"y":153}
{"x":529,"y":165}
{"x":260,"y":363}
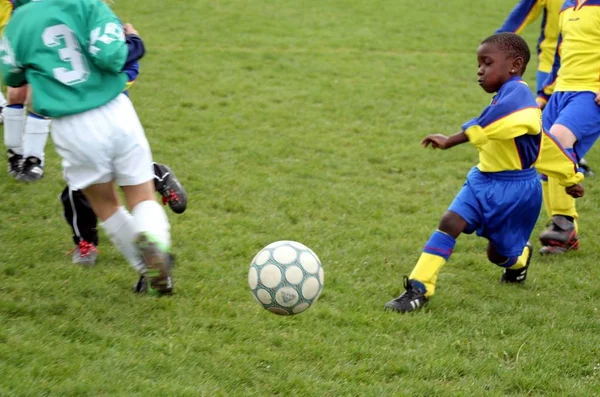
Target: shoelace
{"x":173,"y":196}
{"x":85,"y":248}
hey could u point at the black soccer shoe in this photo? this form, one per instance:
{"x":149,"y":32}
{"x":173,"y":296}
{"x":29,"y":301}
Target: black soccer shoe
{"x":15,"y":162}
{"x":169,"y":187}
{"x":518,"y":276}
{"x":31,"y":170}
{"x":157,"y":281}
{"x":411,"y":299}
{"x":559,"y":237}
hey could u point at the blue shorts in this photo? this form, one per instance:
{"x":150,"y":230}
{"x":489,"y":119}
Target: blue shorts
{"x":578,"y":112}
{"x":540,"y":77}
{"x":500,"y":206}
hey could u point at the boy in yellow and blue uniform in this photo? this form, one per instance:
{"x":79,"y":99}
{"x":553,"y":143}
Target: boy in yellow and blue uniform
{"x":525,"y":13}
{"x":502,"y":196}
{"x":572,"y":113}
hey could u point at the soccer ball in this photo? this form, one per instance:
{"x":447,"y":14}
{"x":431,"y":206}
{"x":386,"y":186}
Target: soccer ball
{"x":286,"y":277}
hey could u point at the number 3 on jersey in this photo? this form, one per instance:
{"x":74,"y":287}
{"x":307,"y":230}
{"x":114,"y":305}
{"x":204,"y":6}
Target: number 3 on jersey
{"x":61,"y":35}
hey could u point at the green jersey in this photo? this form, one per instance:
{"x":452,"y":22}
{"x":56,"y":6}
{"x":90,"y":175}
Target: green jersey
{"x":71,"y":52}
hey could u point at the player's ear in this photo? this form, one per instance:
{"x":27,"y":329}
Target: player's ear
{"x":518,"y":64}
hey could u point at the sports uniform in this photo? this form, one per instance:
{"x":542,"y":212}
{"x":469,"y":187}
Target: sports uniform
{"x":525,"y":13}
{"x":72,"y":53}
{"x":572,"y":84}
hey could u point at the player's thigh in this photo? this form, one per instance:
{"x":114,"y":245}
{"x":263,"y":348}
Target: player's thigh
{"x":580,"y":117}
{"x":133,"y":157}
{"x":85,"y":143}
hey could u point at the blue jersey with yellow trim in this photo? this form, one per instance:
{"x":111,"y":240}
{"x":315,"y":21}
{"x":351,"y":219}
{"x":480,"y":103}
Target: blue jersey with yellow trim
{"x":507,"y":133}
{"x":577,"y":60}
{"x":528,"y":11}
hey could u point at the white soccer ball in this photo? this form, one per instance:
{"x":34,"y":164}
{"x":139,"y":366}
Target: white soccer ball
{"x":286,"y":277}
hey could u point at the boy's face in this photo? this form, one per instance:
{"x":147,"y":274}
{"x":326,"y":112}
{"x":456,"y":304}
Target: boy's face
{"x":495,"y":67}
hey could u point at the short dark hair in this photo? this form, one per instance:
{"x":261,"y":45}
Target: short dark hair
{"x":512,"y":45}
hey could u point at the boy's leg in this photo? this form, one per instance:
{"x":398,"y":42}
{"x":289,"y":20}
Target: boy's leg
{"x":153,"y":238}
{"x":515,"y":267}
{"x":79,"y":215}
{"x":420,"y":285}
{"x":116,"y":221}
{"x":169,"y":187}
{"x":14,"y":127}
{"x":37,"y":129}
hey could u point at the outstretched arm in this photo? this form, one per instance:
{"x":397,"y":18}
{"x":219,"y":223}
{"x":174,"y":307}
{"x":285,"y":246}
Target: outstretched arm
{"x":439,"y":141}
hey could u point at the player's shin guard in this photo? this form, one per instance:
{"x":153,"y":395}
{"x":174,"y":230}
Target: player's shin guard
{"x":435,"y":254}
{"x":122,"y":231}
{"x":37,"y":129}
{"x":14,"y":125}
{"x":560,"y":202}
{"x":150,"y":217}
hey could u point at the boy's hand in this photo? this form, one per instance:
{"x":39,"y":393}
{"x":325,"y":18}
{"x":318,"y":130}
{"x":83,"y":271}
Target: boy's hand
{"x":575,"y":190}
{"x":598,"y":98}
{"x":129,"y":29}
{"x":436,"y":141}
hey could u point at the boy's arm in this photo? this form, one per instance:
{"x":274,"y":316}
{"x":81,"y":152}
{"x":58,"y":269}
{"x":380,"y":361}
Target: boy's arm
{"x":12,"y":71}
{"x":548,"y":86}
{"x":439,"y":141}
{"x":555,"y":162}
{"x":107,"y":48}
{"x":524,"y":13}
{"x":512,"y":113}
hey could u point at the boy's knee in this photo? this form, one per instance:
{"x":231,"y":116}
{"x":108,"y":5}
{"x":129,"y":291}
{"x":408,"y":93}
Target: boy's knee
{"x":452,"y":224}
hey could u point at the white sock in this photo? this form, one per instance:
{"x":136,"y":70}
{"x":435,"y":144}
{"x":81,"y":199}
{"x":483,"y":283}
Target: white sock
{"x":3,"y":102}
{"x":14,"y":126}
{"x":150,"y":217}
{"x":36,"y":135}
{"x":122,"y":231}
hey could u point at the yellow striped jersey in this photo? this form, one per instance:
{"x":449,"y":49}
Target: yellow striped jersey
{"x":528,"y":11}
{"x":508,"y":135}
{"x":577,"y":62}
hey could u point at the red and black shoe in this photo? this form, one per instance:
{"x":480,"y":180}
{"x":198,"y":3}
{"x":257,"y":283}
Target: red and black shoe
{"x":169,"y":187}
{"x":559,"y":237}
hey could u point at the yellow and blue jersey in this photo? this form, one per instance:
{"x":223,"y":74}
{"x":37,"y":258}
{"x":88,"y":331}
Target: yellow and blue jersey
{"x":577,"y":60}
{"x":6,"y":9}
{"x":528,"y":11}
{"x":507,"y":133}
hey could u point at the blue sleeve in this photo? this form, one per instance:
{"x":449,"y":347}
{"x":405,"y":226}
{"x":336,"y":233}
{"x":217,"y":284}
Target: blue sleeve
{"x":136,"y":48}
{"x":525,"y":12}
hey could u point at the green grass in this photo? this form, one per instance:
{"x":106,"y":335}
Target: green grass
{"x":298,"y":120}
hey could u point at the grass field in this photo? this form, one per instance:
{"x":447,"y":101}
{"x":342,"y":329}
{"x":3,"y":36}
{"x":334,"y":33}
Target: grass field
{"x":299,"y":120}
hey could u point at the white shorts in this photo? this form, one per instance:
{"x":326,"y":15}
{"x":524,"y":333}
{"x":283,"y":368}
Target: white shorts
{"x":102,"y":145}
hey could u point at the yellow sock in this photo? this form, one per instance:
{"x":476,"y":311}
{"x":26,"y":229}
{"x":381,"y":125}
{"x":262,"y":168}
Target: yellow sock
{"x":546,"y":197}
{"x":560,"y":202}
{"x":426,"y":271}
{"x":522,"y":261}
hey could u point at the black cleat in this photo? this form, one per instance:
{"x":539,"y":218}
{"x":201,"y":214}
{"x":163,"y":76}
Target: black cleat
{"x":157,"y":281}
{"x":171,"y":190}
{"x":31,"y":170}
{"x":559,"y":237}
{"x":15,"y":162}
{"x":518,"y":276}
{"x":410,"y":300}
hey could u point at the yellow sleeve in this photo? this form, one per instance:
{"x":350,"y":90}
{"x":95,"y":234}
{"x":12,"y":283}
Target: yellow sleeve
{"x":522,"y":122}
{"x":556,"y":163}
{"x":6,"y":10}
